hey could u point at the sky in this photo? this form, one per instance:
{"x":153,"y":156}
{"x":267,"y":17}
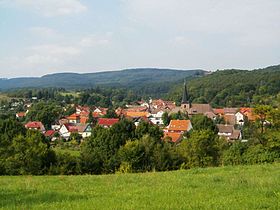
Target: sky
{"x":39,"y":37}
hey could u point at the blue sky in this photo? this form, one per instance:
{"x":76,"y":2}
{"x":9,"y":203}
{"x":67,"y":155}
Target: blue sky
{"x":39,"y":37}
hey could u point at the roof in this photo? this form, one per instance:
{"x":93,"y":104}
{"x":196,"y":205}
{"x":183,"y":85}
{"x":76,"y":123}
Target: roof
{"x":49,"y":133}
{"x":185,"y":97}
{"x":37,"y":125}
{"x":21,"y":114}
{"x":235,"y":134}
{"x":210,"y":115}
{"x":230,"y":110}
{"x":230,"y":119}
{"x":137,"y":114}
{"x":179,"y":125}
{"x":200,"y":108}
{"x":243,"y":110}
{"x":219,"y":111}
{"x":73,"y":116}
{"x":107,"y":121}
{"x":76,"y":128}
{"x":225,"y":128}
{"x":84,"y":120}
{"x":175,"y":137}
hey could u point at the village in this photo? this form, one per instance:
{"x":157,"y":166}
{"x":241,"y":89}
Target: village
{"x":229,"y":121}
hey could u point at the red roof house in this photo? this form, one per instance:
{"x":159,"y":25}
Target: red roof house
{"x":107,"y":122}
{"x":179,"y":126}
{"x":174,"y":137}
{"x":35,"y":126}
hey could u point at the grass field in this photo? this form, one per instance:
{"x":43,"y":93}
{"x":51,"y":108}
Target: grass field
{"x":4,"y":97}
{"x":246,"y":187}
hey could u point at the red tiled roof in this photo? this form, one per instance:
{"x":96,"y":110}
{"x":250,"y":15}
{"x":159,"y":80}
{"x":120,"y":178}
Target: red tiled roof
{"x":49,"y":133}
{"x":137,"y":114}
{"x":21,"y":114}
{"x":179,"y":125}
{"x":37,"y":125}
{"x":219,"y":111}
{"x":73,"y":116}
{"x":107,"y":121}
{"x":84,"y":120}
{"x":175,"y":137}
{"x":71,"y":128}
{"x":245,"y":109}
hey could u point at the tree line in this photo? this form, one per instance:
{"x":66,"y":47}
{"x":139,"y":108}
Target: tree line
{"x":126,"y":148}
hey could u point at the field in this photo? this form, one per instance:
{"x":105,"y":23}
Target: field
{"x":244,"y":187}
{"x":4,"y":97}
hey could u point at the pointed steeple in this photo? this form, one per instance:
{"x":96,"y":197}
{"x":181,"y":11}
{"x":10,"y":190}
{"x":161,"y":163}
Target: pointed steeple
{"x":185,"y":98}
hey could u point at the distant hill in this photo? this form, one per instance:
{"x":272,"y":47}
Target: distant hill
{"x":123,"y":78}
{"x":232,"y":87}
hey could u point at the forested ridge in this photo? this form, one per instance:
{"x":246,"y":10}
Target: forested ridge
{"x":232,"y":88}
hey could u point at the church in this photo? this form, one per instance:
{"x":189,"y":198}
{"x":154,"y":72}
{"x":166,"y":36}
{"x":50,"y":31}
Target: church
{"x":192,"y":108}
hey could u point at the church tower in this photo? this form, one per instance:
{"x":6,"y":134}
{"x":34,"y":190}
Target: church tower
{"x":185,"y":104}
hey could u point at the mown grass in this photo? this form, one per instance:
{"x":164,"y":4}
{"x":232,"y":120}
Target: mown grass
{"x":243,"y":187}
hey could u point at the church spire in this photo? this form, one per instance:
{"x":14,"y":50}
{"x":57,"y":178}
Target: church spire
{"x":185,"y":98}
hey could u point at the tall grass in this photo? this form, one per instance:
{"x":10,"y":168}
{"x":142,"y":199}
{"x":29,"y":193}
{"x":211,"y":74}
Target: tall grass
{"x":242,"y":187}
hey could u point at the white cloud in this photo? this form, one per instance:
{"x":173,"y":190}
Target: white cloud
{"x":56,"y":50}
{"x":51,"y":8}
{"x":181,"y":41}
{"x":41,"y":59}
{"x":210,"y":16}
{"x":91,"y":41}
{"x":43,"y":31}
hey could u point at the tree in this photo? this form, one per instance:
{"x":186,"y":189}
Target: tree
{"x":201,"y":122}
{"x":234,"y":155}
{"x":47,"y":113}
{"x":111,"y":114}
{"x":30,"y":155}
{"x":202,"y":149}
{"x":99,"y":152}
{"x":165,"y":118}
{"x":145,"y":128}
{"x":263,"y":112}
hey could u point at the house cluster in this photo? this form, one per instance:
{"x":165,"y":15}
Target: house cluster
{"x":78,"y":122}
{"x":152,"y":112}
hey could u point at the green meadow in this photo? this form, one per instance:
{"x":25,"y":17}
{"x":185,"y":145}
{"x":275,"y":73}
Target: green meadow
{"x":242,"y":187}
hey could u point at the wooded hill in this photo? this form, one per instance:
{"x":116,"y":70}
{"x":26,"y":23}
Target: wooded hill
{"x":232,"y":87}
{"x":124,"y":78}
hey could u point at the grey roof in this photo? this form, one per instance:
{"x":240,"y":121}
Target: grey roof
{"x":185,"y":97}
{"x":225,"y":128}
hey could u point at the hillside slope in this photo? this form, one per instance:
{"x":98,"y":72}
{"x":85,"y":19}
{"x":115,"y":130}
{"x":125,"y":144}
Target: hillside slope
{"x":232,"y":87}
{"x":242,"y":187}
{"x":126,"y":78}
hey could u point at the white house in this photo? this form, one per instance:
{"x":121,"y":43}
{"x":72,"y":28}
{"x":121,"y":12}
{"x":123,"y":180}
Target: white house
{"x":239,"y":117}
{"x":156,"y":117}
{"x":229,"y":132}
{"x":83,"y":129}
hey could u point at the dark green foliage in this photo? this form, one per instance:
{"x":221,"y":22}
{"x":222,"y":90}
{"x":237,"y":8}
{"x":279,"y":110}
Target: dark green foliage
{"x":110,"y":113}
{"x":202,"y":149}
{"x":147,"y":154}
{"x":178,"y":116}
{"x":48,"y":113}
{"x":98,"y":153}
{"x":144,"y":78}
{"x":65,"y":164}
{"x":165,"y":118}
{"x":145,"y":128}
{"x":234,"y":155}
{"x":201,"y":122}
{"x":232,"y":88}
{"x":28,"y":155}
